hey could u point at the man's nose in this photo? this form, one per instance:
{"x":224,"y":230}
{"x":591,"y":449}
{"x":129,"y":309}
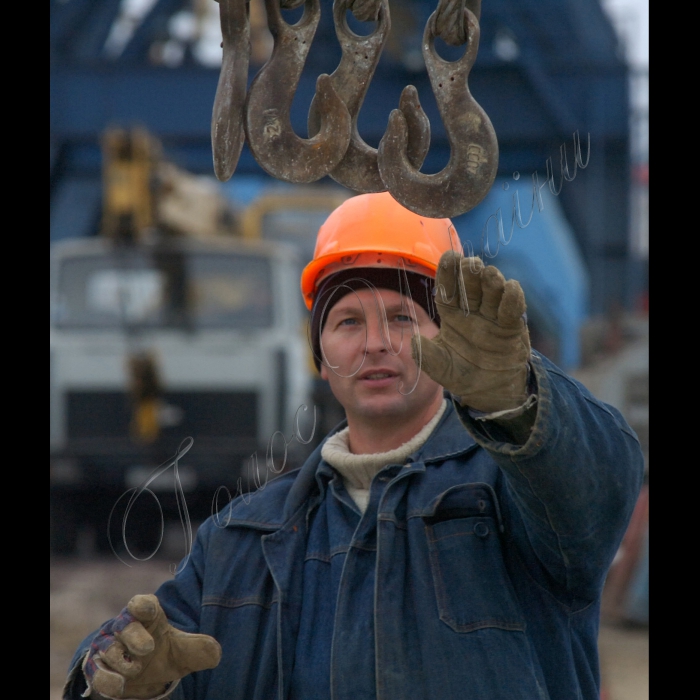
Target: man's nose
{"x":376,"y":337}
{"x":379,"y":337}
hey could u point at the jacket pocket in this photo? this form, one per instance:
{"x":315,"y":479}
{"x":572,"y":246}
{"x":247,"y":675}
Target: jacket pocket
{"x":472,"y":587}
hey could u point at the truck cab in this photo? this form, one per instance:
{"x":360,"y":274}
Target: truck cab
{"x":220,"y":325}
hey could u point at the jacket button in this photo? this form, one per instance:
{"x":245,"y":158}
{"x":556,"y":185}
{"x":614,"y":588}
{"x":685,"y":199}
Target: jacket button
{"x":481,"y":529}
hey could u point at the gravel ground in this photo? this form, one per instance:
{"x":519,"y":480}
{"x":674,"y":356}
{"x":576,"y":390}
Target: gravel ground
{"x":624,"y":658}
{"x":85,"y":593}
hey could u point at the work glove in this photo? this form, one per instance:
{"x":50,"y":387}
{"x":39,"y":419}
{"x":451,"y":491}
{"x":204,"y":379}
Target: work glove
{"x":481,"y":353}
{"x":138,"y":654}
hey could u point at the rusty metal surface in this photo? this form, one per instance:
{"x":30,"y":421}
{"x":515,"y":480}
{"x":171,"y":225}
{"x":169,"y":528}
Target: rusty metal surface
{"x":227,"y":135}
{"x":418,"y":142}
{"x":358,"y":169}
{"x":473,"y":163}
{"x":278,"y":150}
{"x":475,"y":7}
{"x":335,"y":146}
{"x":450,"y":22}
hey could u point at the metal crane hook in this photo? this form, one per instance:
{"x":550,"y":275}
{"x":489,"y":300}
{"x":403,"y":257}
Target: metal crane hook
{"x":473,"y":163}
{"x":278,"y":150}
{"x":227,"y":135}
{"x":358,"y":169}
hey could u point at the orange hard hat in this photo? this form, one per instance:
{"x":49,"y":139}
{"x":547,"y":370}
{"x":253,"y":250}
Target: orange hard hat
{"x":374,"y":230}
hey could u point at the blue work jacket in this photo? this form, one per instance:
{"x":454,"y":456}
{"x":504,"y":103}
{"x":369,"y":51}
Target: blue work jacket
{"x":474,"y":574}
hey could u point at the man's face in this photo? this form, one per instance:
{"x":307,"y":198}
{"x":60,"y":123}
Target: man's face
{"x":371,"y":375}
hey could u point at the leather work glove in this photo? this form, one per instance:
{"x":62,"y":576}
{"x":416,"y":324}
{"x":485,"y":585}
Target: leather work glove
{"x":481,"y":356}
{"x":138,"y":654}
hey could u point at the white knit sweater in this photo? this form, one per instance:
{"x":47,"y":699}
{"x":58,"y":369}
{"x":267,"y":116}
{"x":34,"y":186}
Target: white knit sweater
{"x":359,"y":470}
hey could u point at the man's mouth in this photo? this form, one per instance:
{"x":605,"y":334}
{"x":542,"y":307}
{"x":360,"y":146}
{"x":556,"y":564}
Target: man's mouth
{"x":378,"y":376}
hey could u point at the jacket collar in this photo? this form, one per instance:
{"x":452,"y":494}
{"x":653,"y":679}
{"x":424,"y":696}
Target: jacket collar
{"x":449,"y":439}
{"x":285,"y":495}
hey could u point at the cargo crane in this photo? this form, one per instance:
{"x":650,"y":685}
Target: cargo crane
{"x":169,"y":324}
{"x":544,"y":71}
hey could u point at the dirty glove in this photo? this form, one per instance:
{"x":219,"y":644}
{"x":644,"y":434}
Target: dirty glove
{"x":480,"y":356}
{"x":138,"y":654}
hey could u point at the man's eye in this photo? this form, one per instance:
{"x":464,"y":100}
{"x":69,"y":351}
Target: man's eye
{"x":403,"y":318}
{"x":348,"y":322}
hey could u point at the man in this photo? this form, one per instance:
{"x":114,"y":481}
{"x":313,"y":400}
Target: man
{"x":449,"y":541}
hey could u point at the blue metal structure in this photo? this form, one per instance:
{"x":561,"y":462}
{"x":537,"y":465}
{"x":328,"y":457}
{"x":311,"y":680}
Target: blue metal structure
{"x":542,"y":255}
{"x":546,"y":69}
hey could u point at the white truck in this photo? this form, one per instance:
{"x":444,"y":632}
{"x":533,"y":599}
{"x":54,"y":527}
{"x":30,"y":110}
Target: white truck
{"x":223,"y":326}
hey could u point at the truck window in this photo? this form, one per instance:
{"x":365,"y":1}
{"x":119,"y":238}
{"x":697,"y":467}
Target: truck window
{"x":164,"y":289}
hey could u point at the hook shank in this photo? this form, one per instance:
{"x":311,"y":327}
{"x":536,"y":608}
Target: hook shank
{"x":473,"y":163}
{"x":278,"y":150}
{"x":227,"y":135}
{"x":358,"y":170}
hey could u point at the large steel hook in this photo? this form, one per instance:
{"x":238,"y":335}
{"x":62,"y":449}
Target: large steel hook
{"x":227,"y":135}
{"x":278,"y":150}
{"x":473,"y":163}
{"x":358,"y":169}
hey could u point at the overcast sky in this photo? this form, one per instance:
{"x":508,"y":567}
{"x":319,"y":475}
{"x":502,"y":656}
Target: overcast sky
{"x":631,"y":18}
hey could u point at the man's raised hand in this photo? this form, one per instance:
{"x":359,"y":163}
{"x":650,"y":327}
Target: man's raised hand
{"x":481,"y":353}
{"x":138,"y":654}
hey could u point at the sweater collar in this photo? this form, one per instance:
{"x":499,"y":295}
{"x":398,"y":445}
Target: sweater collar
{"x":359,"y":469}
{"x":449,"y":439}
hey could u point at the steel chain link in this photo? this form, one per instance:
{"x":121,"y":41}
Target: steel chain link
{"x":365,"y":10}
{"x":450,"y":25}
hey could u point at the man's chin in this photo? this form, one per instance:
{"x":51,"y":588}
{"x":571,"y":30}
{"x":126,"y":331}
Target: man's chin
{"x":383,"y":406}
